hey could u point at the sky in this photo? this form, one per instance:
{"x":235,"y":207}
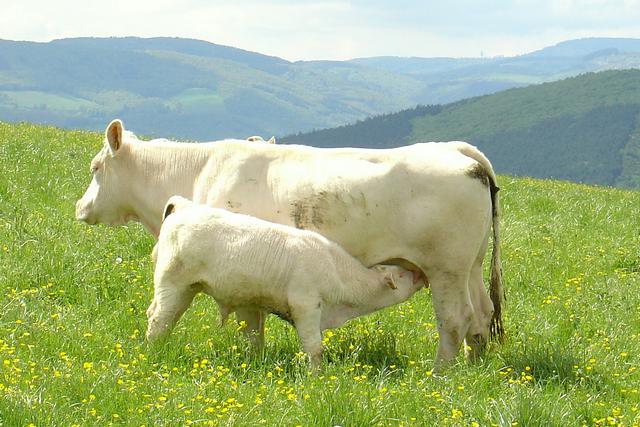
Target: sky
{"x":332,"y":29}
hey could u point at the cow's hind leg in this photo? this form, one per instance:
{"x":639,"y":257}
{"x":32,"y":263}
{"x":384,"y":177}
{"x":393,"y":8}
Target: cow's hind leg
{"x":253,"y":325}
{"x":169,"y":303}
{"x":453,"y":310}
{"x":478,"y":333}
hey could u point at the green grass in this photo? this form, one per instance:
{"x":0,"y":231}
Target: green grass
{"x":73,"y":301}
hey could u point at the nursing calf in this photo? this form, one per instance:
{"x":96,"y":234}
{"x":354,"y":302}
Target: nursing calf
{"x":247,"y":263}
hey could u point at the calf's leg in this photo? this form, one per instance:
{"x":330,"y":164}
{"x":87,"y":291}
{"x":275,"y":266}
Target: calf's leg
{"x":169,"y":303}
{"x":307,"y":323}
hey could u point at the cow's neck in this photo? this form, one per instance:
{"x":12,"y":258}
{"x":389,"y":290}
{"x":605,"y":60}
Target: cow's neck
{"x":161,"y":171}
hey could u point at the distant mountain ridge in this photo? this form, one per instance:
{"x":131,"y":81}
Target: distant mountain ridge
{"x":587,"y":46}
{"x":582,"y":129}
{"x":192,"y":89}
{"x":271,"y":64}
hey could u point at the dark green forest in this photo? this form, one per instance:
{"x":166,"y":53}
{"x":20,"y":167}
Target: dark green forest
{"x":583,"y":129}
{"x":384,"y":131}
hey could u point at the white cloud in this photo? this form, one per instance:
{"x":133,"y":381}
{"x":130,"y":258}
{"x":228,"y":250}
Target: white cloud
{"x":332,"y":29}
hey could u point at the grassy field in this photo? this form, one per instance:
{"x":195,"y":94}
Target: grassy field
{"x":73,"y":301}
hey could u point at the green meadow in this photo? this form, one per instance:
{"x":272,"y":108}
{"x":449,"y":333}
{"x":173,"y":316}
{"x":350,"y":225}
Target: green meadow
{"x":73,"y":301}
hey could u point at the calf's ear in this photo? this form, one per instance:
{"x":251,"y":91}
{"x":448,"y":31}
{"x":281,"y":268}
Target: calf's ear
{"x":388,"y":278}
{"x":114,"y":135}
{"x":168,"y":210}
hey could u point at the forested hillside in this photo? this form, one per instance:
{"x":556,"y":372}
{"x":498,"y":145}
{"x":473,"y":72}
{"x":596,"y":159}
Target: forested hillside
{"x":583,"y":129}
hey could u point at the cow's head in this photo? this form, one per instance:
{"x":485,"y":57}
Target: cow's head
{"x":105,"y":200}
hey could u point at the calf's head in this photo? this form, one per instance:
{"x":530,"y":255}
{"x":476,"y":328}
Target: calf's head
{"x":402,"y":281}
{"x":105,"y":199}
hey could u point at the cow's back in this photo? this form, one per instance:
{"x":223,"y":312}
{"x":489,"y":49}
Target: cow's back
{"x":377,"y":204}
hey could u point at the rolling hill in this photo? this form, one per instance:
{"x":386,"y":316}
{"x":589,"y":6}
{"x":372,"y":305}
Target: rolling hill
{"x":583,"y":129}
{"x":185,"y":88}
{"x":198,"y":90}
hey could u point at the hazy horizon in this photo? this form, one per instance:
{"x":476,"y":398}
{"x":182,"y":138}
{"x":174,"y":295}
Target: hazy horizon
{"x":334,"y":30}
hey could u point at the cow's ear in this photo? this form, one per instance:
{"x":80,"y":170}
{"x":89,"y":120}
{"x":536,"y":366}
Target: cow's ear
{"x":114,"y":135}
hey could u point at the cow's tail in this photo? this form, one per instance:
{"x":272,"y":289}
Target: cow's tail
{"x":496,"y":291}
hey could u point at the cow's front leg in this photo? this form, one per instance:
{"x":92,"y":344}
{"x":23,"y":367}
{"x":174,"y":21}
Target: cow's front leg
{"x":169,"y":303}
{"x":253,"y":325}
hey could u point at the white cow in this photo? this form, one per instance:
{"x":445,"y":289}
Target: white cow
{"x":247,"y":263}
{"x":429,"y":207}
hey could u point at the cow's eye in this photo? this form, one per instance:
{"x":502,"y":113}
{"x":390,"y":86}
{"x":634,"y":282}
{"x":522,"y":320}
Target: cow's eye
{"x":94,"y":168}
